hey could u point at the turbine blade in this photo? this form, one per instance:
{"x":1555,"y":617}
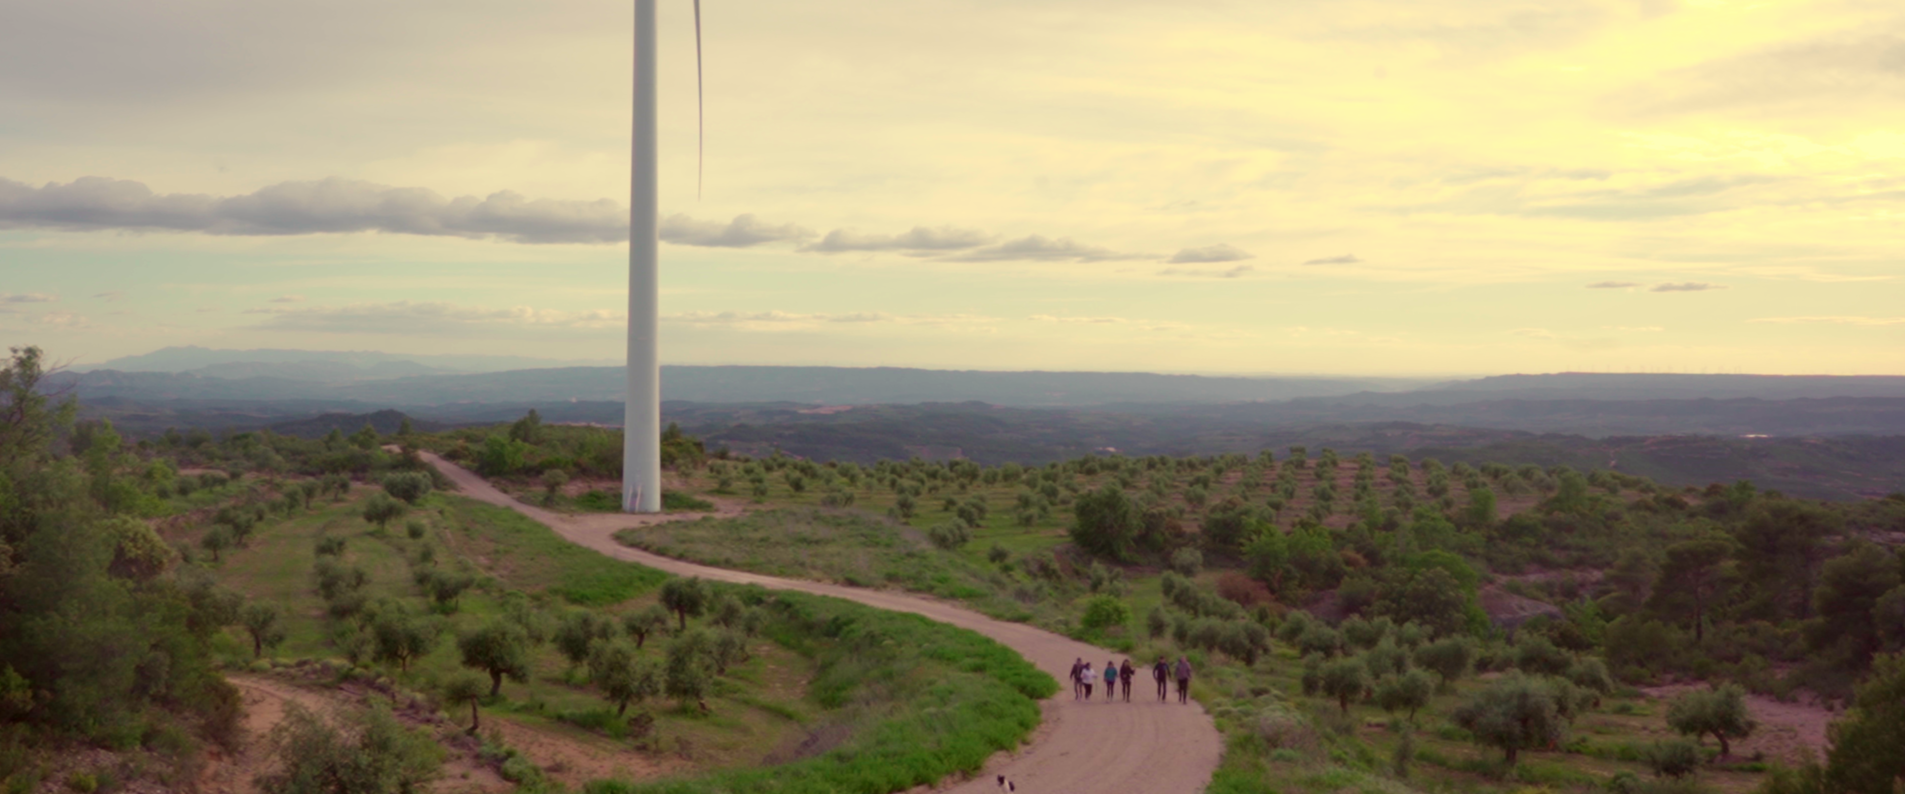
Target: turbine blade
{"x":701,"y":113}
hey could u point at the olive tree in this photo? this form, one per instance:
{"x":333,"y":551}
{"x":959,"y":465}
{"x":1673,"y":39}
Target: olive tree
{"x":1719,"y":712}
{"x":499,"y":648}
{"x":685,"y":597}
{"x":624,"y":677}
{"x":1516,"y":712}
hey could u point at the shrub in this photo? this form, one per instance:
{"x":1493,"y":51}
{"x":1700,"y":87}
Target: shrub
{"x":1676,"y":757}
{"x":1243,"y":590}
{"x":409,"y":486}
{"x":1187,"y":561}
{"x":949,"y":535}
{"x":372,"y":752}
{"x":1103,"y":612}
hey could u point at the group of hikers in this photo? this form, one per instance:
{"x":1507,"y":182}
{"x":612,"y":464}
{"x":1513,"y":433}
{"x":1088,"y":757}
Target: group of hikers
{"x":1083,"y":678}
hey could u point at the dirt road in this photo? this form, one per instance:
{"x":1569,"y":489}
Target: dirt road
{"x":1144,"y":747}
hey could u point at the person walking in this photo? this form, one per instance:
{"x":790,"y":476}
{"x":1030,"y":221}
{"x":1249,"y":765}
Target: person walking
{"x":1162,"y":672}
{"x":1078,"y":685}
{"x":1111,"y":680}
{"x":1183,"y":680}
{"x":1125,"y":674}
{"x":1084,"y":675}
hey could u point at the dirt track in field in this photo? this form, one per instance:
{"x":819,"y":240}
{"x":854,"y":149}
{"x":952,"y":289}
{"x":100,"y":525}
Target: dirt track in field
{"x":1144,"y":747}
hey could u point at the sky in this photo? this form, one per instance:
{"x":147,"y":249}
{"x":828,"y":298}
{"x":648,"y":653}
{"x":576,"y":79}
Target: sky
{"x":1376,"y":187}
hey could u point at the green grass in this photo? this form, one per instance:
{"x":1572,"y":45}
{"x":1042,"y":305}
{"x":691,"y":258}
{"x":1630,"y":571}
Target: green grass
{"x":847,"y":546}
{"x":531,"y":557}
{"x":918,"y":700}
{"x":949,"y":699}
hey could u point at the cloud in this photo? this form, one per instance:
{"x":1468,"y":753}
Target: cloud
{"x":1039,"y":248}
{"x":1046,"y":318}
{"x":1644,"y":328}
{"x":1863,"y":63}
{"x":1345,"y":259}
{"x":288,"y":299}
{"x":782,"y":320}
{"x":205,"y":309}
{"x":340,"y":206}
{"x":1234,"y":272}
{"x":1613,"y":285}
{"x":110,"y":296}
{"x":1535,"y":333}
{"x":1685,"y":286}
{"x":1834,"y":320}
{"x":1220,"y":252}
{"x":920,"y":240}
{"x":742,"y":232}
{"x":427,"y":317}
{"x":26,"y":297}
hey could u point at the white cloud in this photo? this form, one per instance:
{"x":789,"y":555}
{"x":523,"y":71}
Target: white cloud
{"x":1039,"y":248}
{"x":1686,"y":286}
{"x":1344,"y":259}
{"x":1534,"y":333}
{"x":918,"y":241}
{"x":1638,"y":328}
{"x":331,"y":205}
{"x":1047,"y":318}
{"x":1613,"y":285}
{"x":742,"y":232}
{"x":1234,"y":272}
{"x":1222,"y":252}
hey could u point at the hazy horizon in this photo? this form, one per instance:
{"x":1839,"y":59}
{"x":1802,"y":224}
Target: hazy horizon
{"x":1364,"y":189}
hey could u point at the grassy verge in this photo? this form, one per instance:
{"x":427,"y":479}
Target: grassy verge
{"x":851,"y":547}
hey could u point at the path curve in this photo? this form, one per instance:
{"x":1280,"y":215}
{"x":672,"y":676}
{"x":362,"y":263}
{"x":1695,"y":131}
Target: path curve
{"x":1144,"y":747}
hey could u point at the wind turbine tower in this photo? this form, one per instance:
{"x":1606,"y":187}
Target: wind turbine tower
{"x":641,"y":425}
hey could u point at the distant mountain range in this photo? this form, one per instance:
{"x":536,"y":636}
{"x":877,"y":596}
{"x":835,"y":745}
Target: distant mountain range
{"x":870,"y":413}
{"x":319,"y":365}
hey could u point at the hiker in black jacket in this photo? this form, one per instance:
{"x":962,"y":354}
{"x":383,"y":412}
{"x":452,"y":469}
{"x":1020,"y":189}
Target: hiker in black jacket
{"x":1162,"y":672}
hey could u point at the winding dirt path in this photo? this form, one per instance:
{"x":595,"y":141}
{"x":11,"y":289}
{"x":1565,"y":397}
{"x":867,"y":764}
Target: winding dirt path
{"x":1144,"y":747}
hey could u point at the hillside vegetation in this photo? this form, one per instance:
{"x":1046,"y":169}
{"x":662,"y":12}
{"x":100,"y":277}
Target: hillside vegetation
{"x":135,"y":577}
{"x":1477,"y":626}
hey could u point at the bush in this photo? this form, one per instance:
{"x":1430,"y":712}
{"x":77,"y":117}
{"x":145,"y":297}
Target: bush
{"x":1243,"y":590}
{"x":409,"y":486}
{"x":1103,"y":612}
{"x":1676,"y":757}
{"x":371,"y":752}
{"x":1187,"y":561}
{"x":949,"y":535}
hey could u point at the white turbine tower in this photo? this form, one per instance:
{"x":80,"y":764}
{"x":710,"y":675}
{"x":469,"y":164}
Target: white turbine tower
{"x":641,"y":425}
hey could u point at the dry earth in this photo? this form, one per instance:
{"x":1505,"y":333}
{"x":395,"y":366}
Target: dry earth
{"x":1144,"y":747}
